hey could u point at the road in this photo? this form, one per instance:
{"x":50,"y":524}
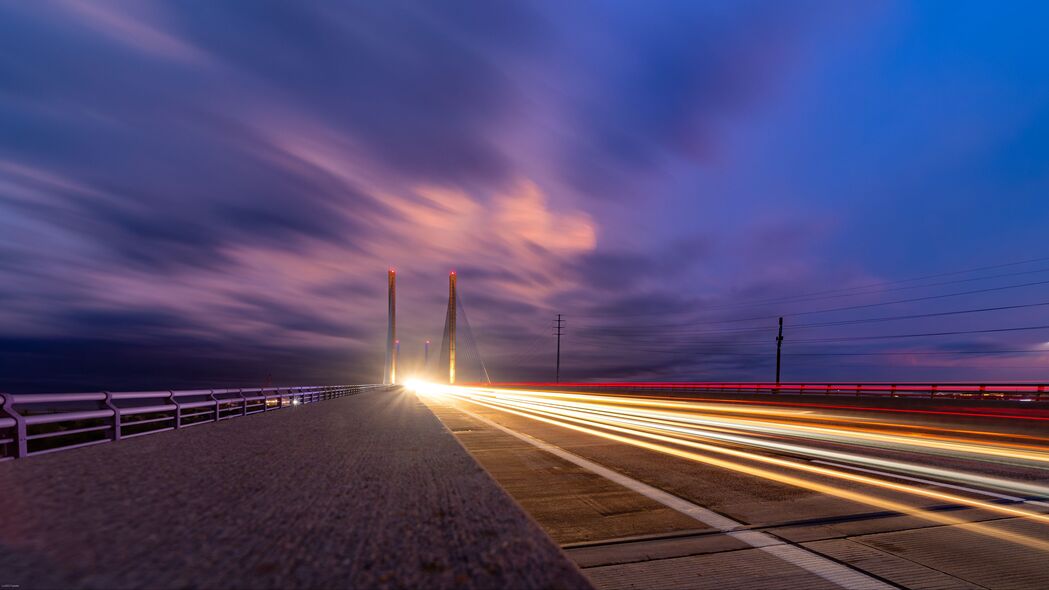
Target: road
{"x":760,"y":492}
{"x":366,"y":491}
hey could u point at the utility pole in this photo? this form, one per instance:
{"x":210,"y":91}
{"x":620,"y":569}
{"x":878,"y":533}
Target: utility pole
{"x":426,"y":355}
{"x":559,"y":330}
{"x":779,"y":349}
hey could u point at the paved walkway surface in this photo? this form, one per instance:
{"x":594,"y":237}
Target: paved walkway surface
{"x":369,"y":491}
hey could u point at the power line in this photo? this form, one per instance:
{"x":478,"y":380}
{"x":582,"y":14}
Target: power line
{"x":880,"y":337}
{"x":920,"y":353}
{"x":924,"y":334}
{"x":923,"y":315}
{"x":679,"y":343}
{"x":895,"y":302}
{"x":763,"y":355}
{"x":806,"y":296}
{"x":614,"y":329}
{"x":867,"y":286}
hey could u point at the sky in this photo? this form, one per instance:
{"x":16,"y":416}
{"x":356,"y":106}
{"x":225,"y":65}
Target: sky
{"x":200,"y":194}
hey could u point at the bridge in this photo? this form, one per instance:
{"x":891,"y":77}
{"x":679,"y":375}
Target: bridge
{"x":436,"y":483}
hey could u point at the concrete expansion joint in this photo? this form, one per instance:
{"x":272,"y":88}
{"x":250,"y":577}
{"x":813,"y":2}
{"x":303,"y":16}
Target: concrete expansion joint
{"x":860,"y":541}
{"x":831,"y":570}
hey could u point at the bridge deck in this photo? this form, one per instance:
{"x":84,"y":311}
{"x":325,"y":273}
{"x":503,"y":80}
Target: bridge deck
{"x":363,"y":491}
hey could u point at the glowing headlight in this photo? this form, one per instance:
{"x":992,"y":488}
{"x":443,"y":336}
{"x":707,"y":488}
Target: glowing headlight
{"x":422,"y":387}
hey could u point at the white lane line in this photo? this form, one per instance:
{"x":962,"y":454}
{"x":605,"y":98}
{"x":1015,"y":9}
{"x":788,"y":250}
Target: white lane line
{"x":933,"y":482}
{"x":827,"y":569}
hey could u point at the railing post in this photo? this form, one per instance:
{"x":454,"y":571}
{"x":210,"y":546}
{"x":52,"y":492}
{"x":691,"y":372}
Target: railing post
{"x":1041,"y":390}
{"x":892,"y":390}
{"x":983,"y":391}
{"x":243,"y":402}
{"x":116,"y":416}
{"x":178,"y":409}
{"x":215,"y":401}
{"x":21,"y":440}
{"x":932,"y":392}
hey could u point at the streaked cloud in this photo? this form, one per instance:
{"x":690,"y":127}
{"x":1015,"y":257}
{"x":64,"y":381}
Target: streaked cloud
{"x":235,"y":179}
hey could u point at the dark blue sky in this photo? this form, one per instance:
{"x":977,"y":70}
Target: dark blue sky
{"x":203,"y":192}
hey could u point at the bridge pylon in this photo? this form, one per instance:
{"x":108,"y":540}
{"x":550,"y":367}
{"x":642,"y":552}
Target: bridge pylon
{"x":451,"y":328}
{"x":389,"y":376}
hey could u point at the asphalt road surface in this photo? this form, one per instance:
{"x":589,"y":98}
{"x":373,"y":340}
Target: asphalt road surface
{"x":759,"y":492}
{"x":367,"y":491}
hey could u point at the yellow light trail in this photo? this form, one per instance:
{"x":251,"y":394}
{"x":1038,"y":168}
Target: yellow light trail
{"x":606,"y":417}
{"x":762,"y":412}
{"x":872,"y":425}
{"x":730,"y":436}
{"x":972,"y":449}
{"x":967,"y":448}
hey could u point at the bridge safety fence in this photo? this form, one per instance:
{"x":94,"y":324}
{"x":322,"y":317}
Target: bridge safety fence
{"x":33,"y":424}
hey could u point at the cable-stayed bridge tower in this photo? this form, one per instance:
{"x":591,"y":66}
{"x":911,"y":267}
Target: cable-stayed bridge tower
{"x":389,"y":375}
{"x":451,"y":327}
{"x":451,"y":353}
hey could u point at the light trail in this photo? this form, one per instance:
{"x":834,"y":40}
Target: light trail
{"x":857,"y":437}
{"x":725,"y":435}
{"x":900,"y":428}
{"x":718,"y":432}
{"x":769,"y":423}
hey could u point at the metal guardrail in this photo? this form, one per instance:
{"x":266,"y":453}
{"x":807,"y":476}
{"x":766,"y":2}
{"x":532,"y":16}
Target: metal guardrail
{"x":1033,"y":392}
{"x":34,"y":424}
